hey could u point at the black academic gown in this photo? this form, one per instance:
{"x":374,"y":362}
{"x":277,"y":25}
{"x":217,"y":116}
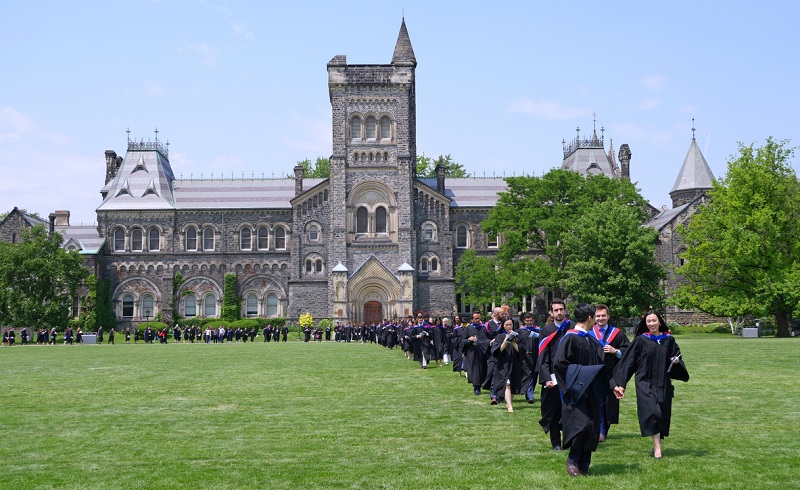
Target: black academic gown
{"x":508,"y":366}
{"x":475,"y":353}
{"x":528,"y":351}
{"x":438,"y":338}
{"x":493,"y":329}
{"x":456,"y":338}
{"x":550,"y":398}
{"x":650,"y":360}
{"x":580,"y":415}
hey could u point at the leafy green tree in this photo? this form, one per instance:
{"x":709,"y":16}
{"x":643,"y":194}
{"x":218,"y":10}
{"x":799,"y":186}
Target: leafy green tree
{"x":547,"y":224}
{"x":743,"y":252}
{"x":426,"y":167}
{"x":476,"y":277}
{"x":38,"y":280}
{"x":611,"y":260}
{"x":231,"y":305}
{"x":320,"y":169}
{"x":104,"y":307}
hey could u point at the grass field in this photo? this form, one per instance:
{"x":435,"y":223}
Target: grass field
{"x":330,"y":415}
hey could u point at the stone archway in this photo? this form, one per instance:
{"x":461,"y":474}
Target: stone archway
{"x":373,"y":312}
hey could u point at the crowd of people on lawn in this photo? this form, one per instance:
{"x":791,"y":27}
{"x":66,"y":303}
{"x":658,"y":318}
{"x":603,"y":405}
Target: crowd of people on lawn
{"x":582,"y":365}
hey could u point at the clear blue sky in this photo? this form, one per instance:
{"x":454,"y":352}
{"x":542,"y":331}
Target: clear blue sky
{"x":241,"y":87}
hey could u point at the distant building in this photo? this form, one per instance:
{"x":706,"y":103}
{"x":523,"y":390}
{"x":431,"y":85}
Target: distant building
{"x":373,"y":241}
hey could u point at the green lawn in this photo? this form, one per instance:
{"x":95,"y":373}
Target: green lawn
{"x":330,"y":415}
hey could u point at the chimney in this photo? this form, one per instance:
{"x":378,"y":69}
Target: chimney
{"x":440,"y":170}
{"x":52,"y":227}
{"x":111,"y":166}
{"x":299,"y":171}
{"x":61,"y":217}
{"x":625,"y":161}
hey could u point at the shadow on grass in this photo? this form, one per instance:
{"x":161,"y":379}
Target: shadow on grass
{"x":600,"y":469}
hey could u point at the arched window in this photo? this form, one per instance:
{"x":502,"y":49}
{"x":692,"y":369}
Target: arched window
{"x":361,"y":220}
{"x":424,"y":265}
{"x":491,"y":240}
{"x":153,"y":240}
{"x":280,"y":238}
{"x":136,"y":240}
{"x":263,"y":238}
{"x":251,"y":305}
{"x":461,"y":237}
{"x":272,"y":305}
{"x":119,"y":240}
{"x":428,"y":232}
{"x":319,"y":265}
{"x":127,"y":306}
{"x":371,"y":128}
{"x":245,"y":239}
{"x":148,"y":307}
{"x":209,"y":306}
{"x":386,"y":129}
{"x":190,"y":306}
{"x":434,"y":265}
{"x":309,"y":266}
{"x":191,"y":240}
{"x":380,"y":220}
{"x":355,"y":128}
{"x":313,"y":233}
{"x":208,"y":239}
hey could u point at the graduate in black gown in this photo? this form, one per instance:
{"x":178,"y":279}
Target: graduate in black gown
{"x":656,"y":359}
{"x":584,"y":381}
{"x":456,"y":336}
{"x":615,"y":343}
{"x":493,"y":328}
{"x":551,"y":398}
{"x":475,"y":346}
{"x":508,"y":368}
{"x":528,"y":352}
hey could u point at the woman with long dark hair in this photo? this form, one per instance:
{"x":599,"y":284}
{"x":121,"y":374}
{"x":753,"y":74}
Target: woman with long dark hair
{"x":656,"y":359}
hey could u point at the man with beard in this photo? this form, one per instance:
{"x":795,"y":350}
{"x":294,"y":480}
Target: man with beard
{"x":475,"y":346}
{"x":551,"y":397}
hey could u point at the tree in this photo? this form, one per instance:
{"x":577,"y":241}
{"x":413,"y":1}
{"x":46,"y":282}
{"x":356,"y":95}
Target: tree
{"x":548,"y":225}
{"x":38,"y":280}
{"x":743,"y":246}
{"x":104,"y":309}
{"x":231,"y":306}
{"x":476,"y":277}
{"x":426,"y":167}
{"x":321,"y":169}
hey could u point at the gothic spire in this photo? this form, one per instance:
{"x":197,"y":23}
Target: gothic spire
{"x":403,"y":52}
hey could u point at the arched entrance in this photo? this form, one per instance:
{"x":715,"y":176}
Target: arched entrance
{"x":373,"y":312}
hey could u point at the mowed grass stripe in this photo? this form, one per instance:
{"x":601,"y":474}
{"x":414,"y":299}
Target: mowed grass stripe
{"x":297,"y":415}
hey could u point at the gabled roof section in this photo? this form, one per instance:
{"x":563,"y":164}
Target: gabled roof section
{"x":403,"y":52}
{"x":666,"y":217}
{"x":695,"y":172}
{"x":144,"y":181}
{"x":84,"y":237}
{"x":29,"y":219}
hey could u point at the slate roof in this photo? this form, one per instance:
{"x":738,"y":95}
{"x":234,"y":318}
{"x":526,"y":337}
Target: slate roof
{"x":663,"y":219}
{"x":695,"y":172}
{"x":590,"y":161}
{"x":143,"y":182}
{"x":84,"y":236}
{"x":237,"y":194}
{"x":470,"y":193}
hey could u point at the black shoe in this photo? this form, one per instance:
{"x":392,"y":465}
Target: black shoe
{"x":494,"y":401}
{"x":477,"y":392}
{"x":531,"y":401}
{"x":572,"y":468}
{"x":557,"y":448}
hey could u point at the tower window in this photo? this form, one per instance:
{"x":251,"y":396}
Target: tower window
{"x":361,"y":220}
{"x":386,"y":129}
{"x":380,"y":220}
{"x":371,"y":128}
{"x":136,"y":240}
{"x":119,"y":240}
{"x":355,"y":128}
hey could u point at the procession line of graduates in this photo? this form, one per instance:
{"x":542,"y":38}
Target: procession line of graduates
{"x":583,"y":368}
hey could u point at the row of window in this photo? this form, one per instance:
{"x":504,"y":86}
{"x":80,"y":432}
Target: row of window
{"x":194,"y":305}
{"x":371,"y":130}
{"x":195,"y":240}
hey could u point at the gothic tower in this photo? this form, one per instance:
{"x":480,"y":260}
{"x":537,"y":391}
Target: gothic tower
{"x":371,"y":185}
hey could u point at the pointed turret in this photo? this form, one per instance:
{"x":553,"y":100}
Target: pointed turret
{"x":694,"y":178}
{"x":403,"y":52}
